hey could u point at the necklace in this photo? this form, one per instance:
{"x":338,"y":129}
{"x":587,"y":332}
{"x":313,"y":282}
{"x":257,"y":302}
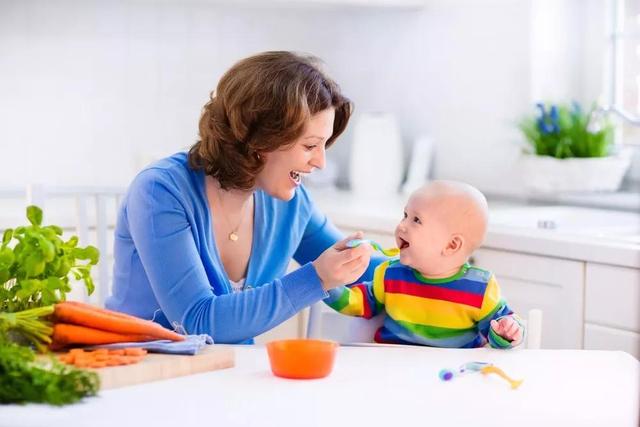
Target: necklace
{"x":233,"y":235}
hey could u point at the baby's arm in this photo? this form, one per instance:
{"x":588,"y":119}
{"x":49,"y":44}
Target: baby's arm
{"x":498,"y":322}
{"x":509,"y":328}
{"x":354,"y":300}
{"x":364,"y":299}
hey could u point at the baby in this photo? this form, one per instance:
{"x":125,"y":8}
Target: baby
{"x":431,"y":295}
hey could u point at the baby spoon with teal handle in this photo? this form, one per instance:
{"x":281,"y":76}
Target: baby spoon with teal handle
{"x":388,"y":252}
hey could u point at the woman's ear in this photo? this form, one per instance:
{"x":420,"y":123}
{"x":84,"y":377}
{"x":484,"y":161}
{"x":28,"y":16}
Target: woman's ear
{"x":454,"y":245}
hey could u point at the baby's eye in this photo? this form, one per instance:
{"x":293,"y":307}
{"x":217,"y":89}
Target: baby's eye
{"x":417,"y":220}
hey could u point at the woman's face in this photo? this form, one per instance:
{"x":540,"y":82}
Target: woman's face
{"x":284,"y":168}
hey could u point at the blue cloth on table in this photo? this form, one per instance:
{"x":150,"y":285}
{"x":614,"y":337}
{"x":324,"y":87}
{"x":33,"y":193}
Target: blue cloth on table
{"x":191,"y":345}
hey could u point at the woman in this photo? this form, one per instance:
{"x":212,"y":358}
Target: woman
{"x":203,"y":239}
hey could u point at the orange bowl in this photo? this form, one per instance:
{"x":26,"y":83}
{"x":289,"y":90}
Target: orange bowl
{"x":302,"y":358}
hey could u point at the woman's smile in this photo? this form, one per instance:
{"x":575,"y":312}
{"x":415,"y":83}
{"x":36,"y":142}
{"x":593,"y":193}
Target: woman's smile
{"x":296,"y":176}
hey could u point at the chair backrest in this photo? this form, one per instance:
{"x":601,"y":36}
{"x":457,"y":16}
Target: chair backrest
{"x":328,"y":324}
{"x":533,"y":323}
{"x":91,"y":217}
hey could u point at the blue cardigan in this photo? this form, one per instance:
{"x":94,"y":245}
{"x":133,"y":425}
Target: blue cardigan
{"x":167,"y":267}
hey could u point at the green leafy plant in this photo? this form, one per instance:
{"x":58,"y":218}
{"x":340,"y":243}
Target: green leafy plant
{"x":36,"y":265}
{"x":25,"y":378}
{"x":564,"y":131}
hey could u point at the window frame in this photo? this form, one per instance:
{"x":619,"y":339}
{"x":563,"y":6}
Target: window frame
{"x":615,"y":79}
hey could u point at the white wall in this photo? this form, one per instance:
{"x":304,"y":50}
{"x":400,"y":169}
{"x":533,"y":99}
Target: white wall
{"x":90,"y":90}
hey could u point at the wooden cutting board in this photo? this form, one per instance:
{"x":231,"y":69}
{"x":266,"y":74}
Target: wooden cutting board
{"x":157,"y":366}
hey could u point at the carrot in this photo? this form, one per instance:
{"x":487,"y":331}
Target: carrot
{"x":66,"y":334}
{"x":101,"y":310}
{"x":135,"y":351}
{"x":102,"y":358}
{"x":86,"y":315}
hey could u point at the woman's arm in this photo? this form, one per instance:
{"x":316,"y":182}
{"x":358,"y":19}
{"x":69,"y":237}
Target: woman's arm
{"x":164,"y":240}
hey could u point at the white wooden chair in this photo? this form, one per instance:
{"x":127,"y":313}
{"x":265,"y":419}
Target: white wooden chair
{"x":90,"y":213}
{"x":328,"y":324}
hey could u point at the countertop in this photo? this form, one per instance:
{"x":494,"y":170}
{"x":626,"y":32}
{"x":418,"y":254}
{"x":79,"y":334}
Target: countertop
{"x":584,"y":234}
{"x":372,"y":386}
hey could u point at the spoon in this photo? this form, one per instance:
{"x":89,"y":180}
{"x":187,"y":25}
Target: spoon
{"x":391,"y":252}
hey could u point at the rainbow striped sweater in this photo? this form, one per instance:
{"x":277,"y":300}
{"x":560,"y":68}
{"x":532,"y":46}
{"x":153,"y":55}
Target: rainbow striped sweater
{"x":454,"y":312}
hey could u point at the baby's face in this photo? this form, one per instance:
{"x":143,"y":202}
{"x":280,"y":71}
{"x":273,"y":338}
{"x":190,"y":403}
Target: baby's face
{"x":421,"y":235}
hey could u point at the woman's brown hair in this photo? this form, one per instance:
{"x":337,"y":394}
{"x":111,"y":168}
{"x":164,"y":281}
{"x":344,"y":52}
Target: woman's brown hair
{"x":262,"y":104}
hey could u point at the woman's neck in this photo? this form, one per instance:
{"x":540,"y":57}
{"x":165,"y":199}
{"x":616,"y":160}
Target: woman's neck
{"x":233,"y":200}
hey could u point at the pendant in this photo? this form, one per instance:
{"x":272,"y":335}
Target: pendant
{"x":233,"y":236}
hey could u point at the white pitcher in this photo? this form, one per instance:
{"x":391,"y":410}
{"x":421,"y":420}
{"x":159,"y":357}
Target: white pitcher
{"x":376,"y":155}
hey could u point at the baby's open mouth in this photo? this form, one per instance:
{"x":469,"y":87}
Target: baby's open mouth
{"x":403,"y":243}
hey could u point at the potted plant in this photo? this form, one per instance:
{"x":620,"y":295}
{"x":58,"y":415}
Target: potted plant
{"x":570,"y":149}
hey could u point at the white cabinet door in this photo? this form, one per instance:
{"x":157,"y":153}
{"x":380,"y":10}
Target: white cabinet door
{"x":613,"y":296}
{"x":598,"y":337}
{"x":551,"y":284}
{"x":612,"y":308}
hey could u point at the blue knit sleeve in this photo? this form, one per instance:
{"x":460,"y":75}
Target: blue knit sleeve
{"x":164,"y":240}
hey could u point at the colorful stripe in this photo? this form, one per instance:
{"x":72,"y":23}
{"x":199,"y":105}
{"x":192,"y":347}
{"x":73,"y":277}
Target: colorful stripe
{"x":433,"y":292}
{"x":364,"y":308}
{"x":492,"y":298}
{"x":378,"y":282}
{"x":393,"y":332}
{"x":468,"y":282}
{"x":433,"y":312}
{"x":338,"y":299}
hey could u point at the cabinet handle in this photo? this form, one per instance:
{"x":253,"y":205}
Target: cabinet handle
{"x":472,"y":260}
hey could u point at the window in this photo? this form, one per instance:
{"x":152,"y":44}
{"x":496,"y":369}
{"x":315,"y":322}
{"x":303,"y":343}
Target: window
{"x":624,"y":67}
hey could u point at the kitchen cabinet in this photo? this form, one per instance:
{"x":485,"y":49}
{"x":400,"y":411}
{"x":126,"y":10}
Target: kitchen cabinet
{"x":612,"y":308}
{"x":598,"y":337}
{"x":553,"y":285}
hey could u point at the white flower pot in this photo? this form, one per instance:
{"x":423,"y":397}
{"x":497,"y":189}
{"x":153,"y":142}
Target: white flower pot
{"x":547,"y":174}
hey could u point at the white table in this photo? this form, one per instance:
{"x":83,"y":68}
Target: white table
{"x":372,"y":386}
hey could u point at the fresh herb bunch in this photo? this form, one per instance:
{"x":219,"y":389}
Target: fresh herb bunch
{"x":564,"y":131}
{"x":35,"y":272}
{"x":25,"y":379}
{"x":28,"y":325}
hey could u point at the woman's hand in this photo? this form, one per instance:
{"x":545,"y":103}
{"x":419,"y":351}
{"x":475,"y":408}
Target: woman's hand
{"x":340,"y":265}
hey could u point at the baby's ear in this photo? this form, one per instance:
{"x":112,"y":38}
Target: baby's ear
{"x":454,"y":245}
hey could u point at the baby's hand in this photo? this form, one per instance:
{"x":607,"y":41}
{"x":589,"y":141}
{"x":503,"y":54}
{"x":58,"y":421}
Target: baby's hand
{"x":508,"y":329}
